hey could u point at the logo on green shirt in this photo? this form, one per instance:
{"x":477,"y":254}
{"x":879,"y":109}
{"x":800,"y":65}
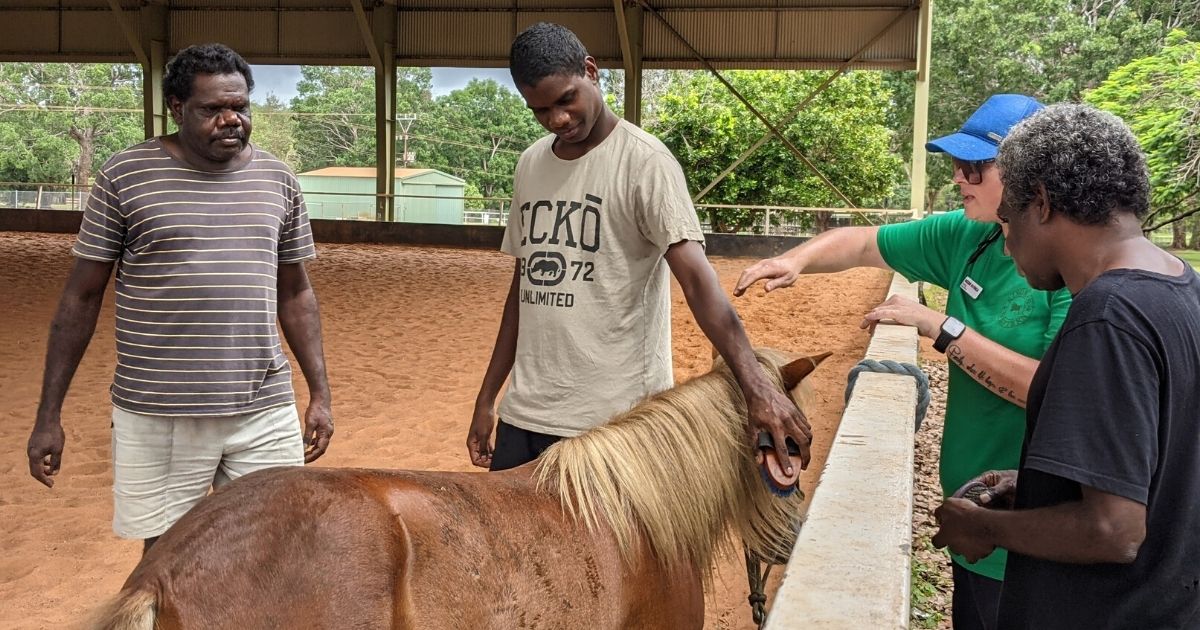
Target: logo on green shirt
{"x":1021,"y":306}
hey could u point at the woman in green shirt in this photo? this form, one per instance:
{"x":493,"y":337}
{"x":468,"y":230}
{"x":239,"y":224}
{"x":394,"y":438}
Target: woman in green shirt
{"x":995,"y":328}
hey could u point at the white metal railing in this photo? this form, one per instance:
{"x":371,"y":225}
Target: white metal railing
{"x":768,"y":220}
{"x":484,"y":217}
{"x":42,"y":196}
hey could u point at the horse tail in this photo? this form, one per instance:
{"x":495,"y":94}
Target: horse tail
{"x":132,"y":609}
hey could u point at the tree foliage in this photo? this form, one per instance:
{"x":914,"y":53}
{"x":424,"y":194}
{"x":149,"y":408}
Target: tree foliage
{"x":335,"y":112}
{"x":274,"y":129}
{"x":842,"y":131}
{"x":60,"y":122}
{"x":477,"y":132}
{"x":1053,"y":50}
{"x":1159,"y":97}
{"x":655,"y":84}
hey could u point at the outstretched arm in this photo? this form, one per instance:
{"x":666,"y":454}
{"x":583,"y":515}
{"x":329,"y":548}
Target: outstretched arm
{"x":770,"y":409}
{"x":483,"y":420}
{"x":70,"y":332}
{"x":300,"y":320}
{"x":836,"y":250}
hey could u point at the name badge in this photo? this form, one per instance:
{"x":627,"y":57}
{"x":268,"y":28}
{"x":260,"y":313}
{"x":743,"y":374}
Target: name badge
{"x":971,"y":288}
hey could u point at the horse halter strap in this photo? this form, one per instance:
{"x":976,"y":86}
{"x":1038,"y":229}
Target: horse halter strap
{"x":757,"y":571}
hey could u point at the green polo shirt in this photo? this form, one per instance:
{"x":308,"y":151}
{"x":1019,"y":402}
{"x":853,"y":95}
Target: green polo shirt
{"x":983,"y":430}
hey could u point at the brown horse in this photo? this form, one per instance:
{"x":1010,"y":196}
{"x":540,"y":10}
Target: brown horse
{"x":615,"y":528}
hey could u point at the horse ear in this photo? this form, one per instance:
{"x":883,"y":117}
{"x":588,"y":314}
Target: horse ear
{"x":797,"y":370}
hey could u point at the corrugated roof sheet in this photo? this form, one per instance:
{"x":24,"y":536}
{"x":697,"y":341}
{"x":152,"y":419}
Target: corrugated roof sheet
{"x":730,"y":33}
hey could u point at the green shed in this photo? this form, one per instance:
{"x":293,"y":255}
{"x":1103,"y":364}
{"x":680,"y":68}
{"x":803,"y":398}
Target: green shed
{"x":423,"y":195}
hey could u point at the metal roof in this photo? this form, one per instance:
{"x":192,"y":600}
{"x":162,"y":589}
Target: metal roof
{"x":470,"y":33}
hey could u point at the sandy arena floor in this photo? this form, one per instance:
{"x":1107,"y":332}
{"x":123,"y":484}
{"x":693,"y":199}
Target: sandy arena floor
{"x":408,"y":333}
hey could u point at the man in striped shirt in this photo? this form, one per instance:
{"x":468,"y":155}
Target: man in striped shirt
{"x":209,"y":236}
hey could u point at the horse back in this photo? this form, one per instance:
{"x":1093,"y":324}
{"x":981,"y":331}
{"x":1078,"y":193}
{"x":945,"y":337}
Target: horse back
{"x":283,"y":547}
{"x":491,"y":551}
{"x":347,"y":548}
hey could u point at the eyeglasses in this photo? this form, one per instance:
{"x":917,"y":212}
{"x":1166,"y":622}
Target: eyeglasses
{"x":972,"y":171}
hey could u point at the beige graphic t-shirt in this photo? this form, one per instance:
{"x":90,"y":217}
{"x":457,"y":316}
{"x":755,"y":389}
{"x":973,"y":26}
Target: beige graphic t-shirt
{"x":595,"y":320}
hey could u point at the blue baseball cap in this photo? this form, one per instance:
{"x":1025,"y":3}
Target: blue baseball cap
{"x":979,"y":139}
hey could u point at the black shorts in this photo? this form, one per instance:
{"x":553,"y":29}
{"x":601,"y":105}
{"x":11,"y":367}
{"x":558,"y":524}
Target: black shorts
{"x":516,"y":446}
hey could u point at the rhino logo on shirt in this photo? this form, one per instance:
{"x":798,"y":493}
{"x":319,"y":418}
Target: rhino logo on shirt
{"x":546,"y":269}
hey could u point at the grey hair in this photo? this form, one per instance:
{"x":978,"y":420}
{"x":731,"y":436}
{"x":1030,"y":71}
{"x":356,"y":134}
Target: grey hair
{"x":1088,"y":160}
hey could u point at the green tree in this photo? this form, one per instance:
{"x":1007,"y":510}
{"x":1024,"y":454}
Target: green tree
{"x":274,"y":129}
{"x":60,"y":122}
{"x":654,"y":84}
{"x":1159,"y":97}
{"x":32,"y":152}
{"x":842,"y":131}
{"x":477,"y":133}
{"x":1053,"y":50}
{"x":335,"y":112}
{"x":470,"y":190}
{"x":1172,"y":14}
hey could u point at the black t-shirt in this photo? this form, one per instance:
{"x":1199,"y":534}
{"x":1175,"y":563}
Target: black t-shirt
{"x":1115,"y":405}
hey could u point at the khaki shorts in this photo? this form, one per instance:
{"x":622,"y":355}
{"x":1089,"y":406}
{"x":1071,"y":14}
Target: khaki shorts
{"x":163,"y":466}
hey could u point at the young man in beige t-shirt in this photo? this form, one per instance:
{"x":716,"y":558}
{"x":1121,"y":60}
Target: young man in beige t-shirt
{"x":598,"y":206}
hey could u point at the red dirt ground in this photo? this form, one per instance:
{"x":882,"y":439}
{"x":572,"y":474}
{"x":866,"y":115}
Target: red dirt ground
{"x":408,"y":333}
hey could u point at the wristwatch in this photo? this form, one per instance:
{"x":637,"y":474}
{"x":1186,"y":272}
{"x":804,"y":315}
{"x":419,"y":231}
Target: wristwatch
{"x":951,"y":329}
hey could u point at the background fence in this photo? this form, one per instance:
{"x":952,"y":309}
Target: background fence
{"x":341,"y":206}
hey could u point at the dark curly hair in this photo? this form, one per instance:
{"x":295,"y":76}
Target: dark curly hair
{"x":544,"y":50}
{"x":1088,"y":160}
{"x":202,"y":59}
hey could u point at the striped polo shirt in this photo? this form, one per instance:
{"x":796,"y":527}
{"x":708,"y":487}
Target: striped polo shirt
{"x":197,"y":257}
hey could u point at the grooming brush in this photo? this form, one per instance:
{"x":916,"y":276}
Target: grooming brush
{"x":972,"y":491}
{"x":778,"y":481}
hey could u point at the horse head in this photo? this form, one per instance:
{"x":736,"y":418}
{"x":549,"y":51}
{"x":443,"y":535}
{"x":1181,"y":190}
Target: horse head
{"x":678,"y":473}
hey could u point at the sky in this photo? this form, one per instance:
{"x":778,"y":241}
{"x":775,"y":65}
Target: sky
{"x":281,"y":80}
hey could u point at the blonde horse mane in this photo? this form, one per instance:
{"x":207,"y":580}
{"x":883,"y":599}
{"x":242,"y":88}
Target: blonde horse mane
{"x":678,"y":472}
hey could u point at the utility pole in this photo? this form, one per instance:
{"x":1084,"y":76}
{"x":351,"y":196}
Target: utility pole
{"x":405,"y":122}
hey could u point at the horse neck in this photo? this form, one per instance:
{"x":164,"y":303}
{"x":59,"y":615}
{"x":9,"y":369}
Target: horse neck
{"x":674,"y":472}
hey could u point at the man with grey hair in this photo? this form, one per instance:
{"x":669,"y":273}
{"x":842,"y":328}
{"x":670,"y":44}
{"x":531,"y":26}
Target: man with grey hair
{"x":1102,"y":530}
{"x":993,"y":331}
